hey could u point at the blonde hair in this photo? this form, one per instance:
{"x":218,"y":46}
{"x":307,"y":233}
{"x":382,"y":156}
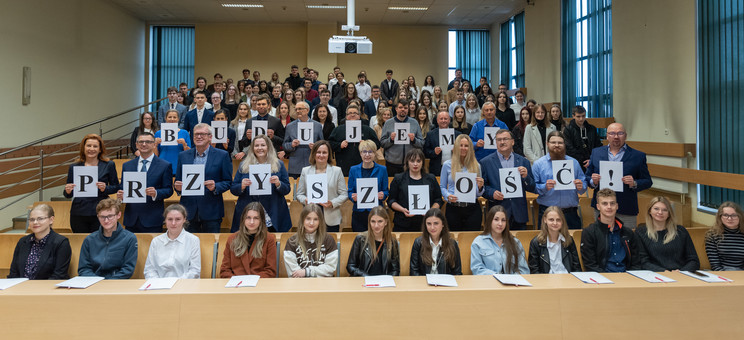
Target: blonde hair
{"x":235,"y":121}
{"x":470,"y":162}
{"x":367,"y":144}
{"x":542,"y":237}
{"x":250,"y":157}
{"x":320,"y":233}
{"x":670,"y":224}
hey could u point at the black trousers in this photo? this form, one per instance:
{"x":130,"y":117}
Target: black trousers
{"x":467,"y":218}
{"x":84,"y":224}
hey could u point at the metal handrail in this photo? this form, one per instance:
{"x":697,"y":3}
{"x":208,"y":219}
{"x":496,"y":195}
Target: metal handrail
{"x":42,"y":140}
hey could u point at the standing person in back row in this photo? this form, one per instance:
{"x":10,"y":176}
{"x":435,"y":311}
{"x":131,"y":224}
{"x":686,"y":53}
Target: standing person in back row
{"x":478,"y":132}
{"x":635,"y":176}
{"x":389,"y":87}
{"x":294,"y":79}
{"x":395,"y":153}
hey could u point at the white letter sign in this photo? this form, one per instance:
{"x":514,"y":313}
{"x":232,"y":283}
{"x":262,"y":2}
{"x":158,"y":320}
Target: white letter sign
{"x":366,"y":189}
{"x":353,"y":131}
{"x":418,"y":199}
{"x":260,"y":175}
{"x":465,"y":187}
{"x":259,"y":127}
{"x":85,"y":179}
{"x":219,"y":131}
{"x":169,"y":134}
{"x":563,"y":175}
{"x":401,"y":133}
{"x":134,"y":185}
{"x":511,"y":182}
{"x":611,"y":175}
{"x":489,"y":137}
{"x":305,"y":132}
{"x":192,"y":179}
{"x":317,"y":188}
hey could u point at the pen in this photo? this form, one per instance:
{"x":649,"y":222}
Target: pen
{"x":656,"y":277}
{"x":148,"y":286}
{"x":593,"y":280}
{"x":372,"y":285}
{"x":724,"y":279}
{"x":238,"y":285}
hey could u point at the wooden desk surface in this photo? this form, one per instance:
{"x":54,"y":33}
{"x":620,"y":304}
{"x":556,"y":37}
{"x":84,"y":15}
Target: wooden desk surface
{"x":556,"y":307}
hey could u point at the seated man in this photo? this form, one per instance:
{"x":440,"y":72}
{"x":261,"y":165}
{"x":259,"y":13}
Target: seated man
{"x":110,"y":252}
{"x":605,"y":245}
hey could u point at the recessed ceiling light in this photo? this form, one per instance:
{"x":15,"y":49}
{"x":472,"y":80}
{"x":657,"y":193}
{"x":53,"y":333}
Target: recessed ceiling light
{"x":408,"y":8}
{"x":242,"y":5}
{"x":326,"y":6}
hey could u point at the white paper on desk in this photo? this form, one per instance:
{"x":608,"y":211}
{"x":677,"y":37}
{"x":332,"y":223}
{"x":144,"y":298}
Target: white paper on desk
{"x":706,"y":276}
{"x":260,"y":175}
{"x":81,"y":282}
{"x":7,"y":283}
{"x":169,"y":134}
{"x":512,"y":279}
{"x":591,"y":277}
{"x":242,"y":281}
{"x":563,"y":174}
{"x":441,"y":280}
{"x":650,"y":276}
{"x":379,"y":281}
{"x":511,"y":182}
{"x":85,"y":179}
{"x":159,"y":283}
{"x":611,"y":175}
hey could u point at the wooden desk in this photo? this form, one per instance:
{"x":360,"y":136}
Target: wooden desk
{"x":556,"y":307}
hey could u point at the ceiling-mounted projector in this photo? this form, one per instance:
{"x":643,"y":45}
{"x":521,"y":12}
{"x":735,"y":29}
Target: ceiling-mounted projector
{"x":349,"y":44}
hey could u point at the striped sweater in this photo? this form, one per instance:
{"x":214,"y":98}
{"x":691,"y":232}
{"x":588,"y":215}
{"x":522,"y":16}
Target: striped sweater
{"x":726,"y":251}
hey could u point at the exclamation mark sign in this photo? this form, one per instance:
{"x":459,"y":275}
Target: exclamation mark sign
{"x":611,"y":172}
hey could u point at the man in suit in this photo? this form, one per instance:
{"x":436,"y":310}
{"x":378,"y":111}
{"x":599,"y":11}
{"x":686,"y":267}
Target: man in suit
{"x":275,"y":130}
{"x":172,"y":104}
{"x":432,"y":149}
{"x":200,"y":114}
{"x":205,"y":212}
{"x":635,"y":176}
{"x":299,"y":155}
{"x":458,"y":78}
{"x":370,"y":106}
{"x":505,"y":157}
{"x":217,"y":79}
{"x":148,"y":217}
{"x":389,"y":87}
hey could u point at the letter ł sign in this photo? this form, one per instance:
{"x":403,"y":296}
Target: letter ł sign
{"x":418,"y":199}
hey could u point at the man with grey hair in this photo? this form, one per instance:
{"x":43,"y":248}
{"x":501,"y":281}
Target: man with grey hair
{"x":395,"y":153}
{"x":478,"y":133}
{"x":297,"y":153}
{"x":432,"y":149}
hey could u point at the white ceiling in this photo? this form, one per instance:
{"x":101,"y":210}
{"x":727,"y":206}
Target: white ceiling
{"x":454,"y":13}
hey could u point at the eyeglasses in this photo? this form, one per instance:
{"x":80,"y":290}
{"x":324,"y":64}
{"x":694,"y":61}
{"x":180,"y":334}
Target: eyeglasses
{"x":202,"y":135}
{"x":34,"y":220}
{"x":499,"y":140}
{"x":730,"y":217}
{"x":616,"y":134}
{"x":106,"y":217}
{"x":144,"y":142}
{"x":367,"y":152}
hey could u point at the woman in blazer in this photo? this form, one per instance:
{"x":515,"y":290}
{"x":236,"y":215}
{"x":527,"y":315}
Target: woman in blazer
{"x":553,"y":240}
{"x":413,"y":174}
{"x":83,"y":217}
{"x":250,"y":250}
{"x":375,"y":252}
{"x":367,"y":169}
{"x":536,"y":134}
{"x":435,"y":233}
{"x":43,"y":254}
{"x":321,"y":161}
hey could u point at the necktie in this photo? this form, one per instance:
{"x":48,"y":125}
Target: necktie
{"x":173,"y":106}
{"x":144,"y":166}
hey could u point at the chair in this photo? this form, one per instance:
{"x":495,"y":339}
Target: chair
{"x":525,"y":236}
{"x":346,"y":210}
{"x":76,"y":242}
{"x":346,"y":241}
{"x":698,"y":240}
{"x":208,"y":250}
{"x":143,"y":248}
{"x":587,"y":212}
{"x":464,"y":241}
{"x":405,"y":242}
{"x":576,"y":234}
{"x":221,"y":243}
{"x":7,"y":247}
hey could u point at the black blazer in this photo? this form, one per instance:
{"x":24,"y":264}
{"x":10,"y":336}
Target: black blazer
{"x":53,"y":263}
{"x":418,"y":268}
{"x":86,"y":206}
{"x":539,"y":259}
{"x":389,"y":92}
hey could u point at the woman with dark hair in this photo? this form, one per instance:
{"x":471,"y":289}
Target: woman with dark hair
{"x":724,"y":241}
{"x":321,"y":162}
{"x":176,"y":253}
{"x":556,"y":118}
{"x":503,"y":112}
{"x":496,"y":251}
{"x":413,"y":174}
{"x":147,"y":123}
{"x":323,"y":116}
{"x":311,"y":252}
{"x":43,"y":254}
{"x":83,"y":216}
{"x":459,"y":121}
{"x":435,"y":251}
{"x":250,"y":250}
{"x":428,"y":84}
{"x":665,"y":245}
{"x":553,"y":250}
{"x":536,"y":134}
{"x":375,"y":252}
{"x":525,"y":117}
{"x":201,"y":86}
{"x":485,"y":91}
{"x":263,"y":87}
{"x":349,"y":94}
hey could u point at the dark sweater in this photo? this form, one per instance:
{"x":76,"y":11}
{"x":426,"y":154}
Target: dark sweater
{"x":677,"y":254}
{"x":726,"y":251}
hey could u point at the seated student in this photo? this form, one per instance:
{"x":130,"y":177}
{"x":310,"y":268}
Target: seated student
{"x":724,"y":242}
{"x":553,"y":250}
{"x":43,"y":254}
{"x":413,"y":174}
{"x":664,"y":244}
{"x":605,"y":245}
{"x":495,"y":250}
{"x":311,"y":252}
{"x":435,"y":252}
{"x":170,"y":152}
{"x":175,"y":253}
{"x":375,"y":252}
{"x":110,"y":251}
{"x":251,"y":250}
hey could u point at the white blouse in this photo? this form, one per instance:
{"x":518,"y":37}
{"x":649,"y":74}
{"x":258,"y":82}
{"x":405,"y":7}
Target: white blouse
{"x":174,"y":258}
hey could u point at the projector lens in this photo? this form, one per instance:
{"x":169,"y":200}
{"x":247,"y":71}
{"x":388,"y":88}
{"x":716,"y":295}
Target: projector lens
{"x":351,"y":47}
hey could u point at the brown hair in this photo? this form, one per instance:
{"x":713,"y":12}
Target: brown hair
{"x":316,"y":146}
{"x":511,"y":264}
{"x":102,"y":148}
{"x":239,"y":245}
{"x":448,"y":244}
{"x":107,"y":204}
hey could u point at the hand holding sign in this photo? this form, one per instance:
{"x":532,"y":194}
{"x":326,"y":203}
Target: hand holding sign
{"x":418,"y":199}
{"x":193,"y":180}
{"x":611,"y":174}
{"x":489,"y":137}
{"x":134,"y":185}
{"x":259,"y":127}
{"x":401,"y":133}
{"x":366,"y":189}
{"x":260,"y":175}
{"x":317,"y":188}
{"x":511,"y":182}
{"x":305,"y":132}
{"x":85,"y":179}
{"x":354,"y":131}
{"x":563,"y":175}
{"x":465,"y":187}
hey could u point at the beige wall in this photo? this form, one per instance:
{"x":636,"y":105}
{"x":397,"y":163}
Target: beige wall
{"x":408,"y":50}
{"x":542,"y":50}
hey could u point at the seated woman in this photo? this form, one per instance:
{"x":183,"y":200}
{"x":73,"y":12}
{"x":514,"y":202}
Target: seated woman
{"x":321,"y":162}
{"x":553,"y":250}
{"x":367,"y":169}
{"x":261,"y":151}
{"x":375,"y":252}
{"x":110,"y":251}
{"x":43,"y":254}
{"x":251,"y":250}
{"x":664,"y":244}
{"x":462,"y":216}
{"x":170,"y":152}
{"x":311,"y":252}
{"x":496,"y":251}
{"x":724,"y":242}
{"x":413,"y":174}
{"x":435,"y":239}
{"x":175,"y":253}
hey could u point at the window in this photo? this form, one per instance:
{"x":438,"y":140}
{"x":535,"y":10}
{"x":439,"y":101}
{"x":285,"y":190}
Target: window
{"x":472,"y":55}
{"x":452,"y":56}
{"x":512,"y":52}
{"x":171,"y":59}
{"x":586,"y":56}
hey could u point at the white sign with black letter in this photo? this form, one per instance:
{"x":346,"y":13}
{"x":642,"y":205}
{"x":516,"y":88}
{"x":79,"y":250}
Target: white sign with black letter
{"x":260,"y":175}
{"x":259,"y":127}
{"x":169,"y":134}
{"x":305,"y":132}
{"x":563,"y":173}
{"x":317,"y":188}
{"x":465,"y":187}
{"x":446,"y":139}
{"x":511,"y":182}
{"x":134,"y":184}
{"x":611,"y":175}
{"x":192,"y":179}
{"x":418,"y":199}
{"x":85,"y":179}
{"x":353,"y":131}
{"x":366,"y":189}
{"x":401,"y":133}
{"x":219,"y":131}
{"x":489,"y":137}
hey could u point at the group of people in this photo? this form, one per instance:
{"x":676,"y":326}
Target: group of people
{"x":521,"y":147}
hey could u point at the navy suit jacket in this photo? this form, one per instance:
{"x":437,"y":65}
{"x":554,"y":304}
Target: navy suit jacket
{"x":634,"y":164}
{"x":370,"y":108}
{"x":431,"y":142}
{"x":490,"y":166}
{"x":192,"y":119}
{"x":160,"y":177}
{"x":218,"y":169}
{"x":182,"y":110}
